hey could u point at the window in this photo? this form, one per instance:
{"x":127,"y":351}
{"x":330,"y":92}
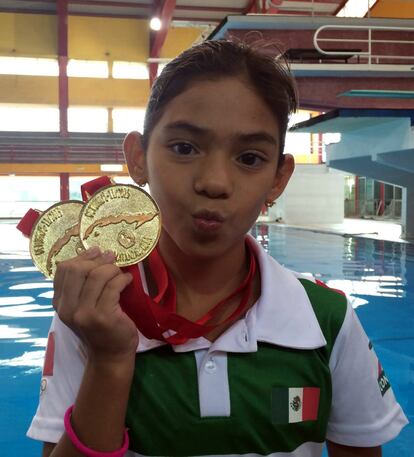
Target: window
{"x":86,"y":119}
{"x":88,"y":68}
{"x":128,"y":119}
{"x":19,"y":193}
{"x":21,"y":118}
{"x":133,"y":70}
{"x":129,"y":70}
{"x":28,"y":66}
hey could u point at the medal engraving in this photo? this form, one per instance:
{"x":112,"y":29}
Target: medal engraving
{"x":55,"y":236}
{"x":124,"y":219}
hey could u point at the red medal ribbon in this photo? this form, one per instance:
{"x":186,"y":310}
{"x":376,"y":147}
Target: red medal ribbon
{"x":156,"y":317}
{"x":28,"y":221}
{"x":90,"y":187}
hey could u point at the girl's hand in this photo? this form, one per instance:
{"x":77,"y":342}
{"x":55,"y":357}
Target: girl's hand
{"x":86,"y":298}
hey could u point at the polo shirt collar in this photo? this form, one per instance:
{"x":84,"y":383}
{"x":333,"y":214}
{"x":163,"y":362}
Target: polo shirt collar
{"x":284,"y":313}
{"x":282,"y":316}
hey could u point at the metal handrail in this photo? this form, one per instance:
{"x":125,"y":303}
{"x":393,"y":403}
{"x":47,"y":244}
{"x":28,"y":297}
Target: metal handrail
{"x":369,"y":41}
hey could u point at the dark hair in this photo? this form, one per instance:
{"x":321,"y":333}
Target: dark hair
{"x":216,"y":59}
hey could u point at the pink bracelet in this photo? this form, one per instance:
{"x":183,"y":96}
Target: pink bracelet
{"x":87,"y":451}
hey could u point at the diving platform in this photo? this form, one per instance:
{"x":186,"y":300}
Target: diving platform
{"x":377,"y":143}
{"x":331,"y":56}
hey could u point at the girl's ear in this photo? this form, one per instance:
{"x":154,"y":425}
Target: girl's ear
{"x":135,"y":157}
{"x":283,"y":174}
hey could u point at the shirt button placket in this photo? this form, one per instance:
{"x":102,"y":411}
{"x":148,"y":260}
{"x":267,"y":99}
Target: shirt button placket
{"x":213,"y":384}
{"x":210,"y":366}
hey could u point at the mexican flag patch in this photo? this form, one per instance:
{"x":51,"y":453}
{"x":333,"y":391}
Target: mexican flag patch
{"x":294,"y":404}
{"x":383,"y":382}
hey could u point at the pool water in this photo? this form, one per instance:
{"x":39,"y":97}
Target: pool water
{"x":377,"y":275}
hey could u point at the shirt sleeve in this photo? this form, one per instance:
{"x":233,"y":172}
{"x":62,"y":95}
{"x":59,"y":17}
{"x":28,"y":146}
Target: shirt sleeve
{"x":62,"y":374}
{"x":364,"y":410}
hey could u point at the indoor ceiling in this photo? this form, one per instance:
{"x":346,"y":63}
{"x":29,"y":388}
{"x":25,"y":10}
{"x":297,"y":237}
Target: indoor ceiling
{"x":193,"y":11}
{"x":198,"y":12}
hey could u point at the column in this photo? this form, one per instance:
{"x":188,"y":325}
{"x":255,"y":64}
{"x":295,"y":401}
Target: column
{"x":64,"y":186}
{"x":407,"y":215}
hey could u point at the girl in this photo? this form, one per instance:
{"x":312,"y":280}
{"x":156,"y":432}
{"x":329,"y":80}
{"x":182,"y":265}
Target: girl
{"x":283,"y":365}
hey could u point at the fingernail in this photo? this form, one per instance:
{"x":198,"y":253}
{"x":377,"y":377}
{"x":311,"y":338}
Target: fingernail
{"x":109,"y":256}
{"x":92,"y":252}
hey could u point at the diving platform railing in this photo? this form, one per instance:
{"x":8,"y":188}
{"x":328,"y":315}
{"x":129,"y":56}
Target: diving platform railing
{"x":369,"y":42}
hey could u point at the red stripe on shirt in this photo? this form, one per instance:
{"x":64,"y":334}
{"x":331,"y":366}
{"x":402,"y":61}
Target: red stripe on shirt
{"x":50,"y":355}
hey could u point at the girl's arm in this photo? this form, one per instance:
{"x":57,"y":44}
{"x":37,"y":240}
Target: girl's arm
{"x":338,"y":450}
{"x":47,"y":449}
{"x":98,"y":417}
{"x":86,"y":298}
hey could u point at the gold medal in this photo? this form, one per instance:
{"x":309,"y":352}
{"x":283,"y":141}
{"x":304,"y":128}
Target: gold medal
{"x":121,"y":218}
{"x":55,"y":236}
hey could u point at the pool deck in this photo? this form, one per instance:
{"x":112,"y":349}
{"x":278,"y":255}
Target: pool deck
{"x":367,"y":228}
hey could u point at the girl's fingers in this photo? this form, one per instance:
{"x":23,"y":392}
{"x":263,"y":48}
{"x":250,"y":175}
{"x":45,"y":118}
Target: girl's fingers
{"x":59,"y":278}
{"x":112,"y":291}
{"x":72,"y":279}
{"x":87,"y":301}
{"x":96,"y":282}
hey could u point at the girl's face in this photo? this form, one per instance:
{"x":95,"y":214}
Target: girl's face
{"x":211,"y":163}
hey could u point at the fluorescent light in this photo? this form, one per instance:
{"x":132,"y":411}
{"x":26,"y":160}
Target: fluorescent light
{"x":112,"y":167}
{"x":155,"y":24}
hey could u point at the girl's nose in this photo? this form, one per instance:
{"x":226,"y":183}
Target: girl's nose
{"x":213,"y":177}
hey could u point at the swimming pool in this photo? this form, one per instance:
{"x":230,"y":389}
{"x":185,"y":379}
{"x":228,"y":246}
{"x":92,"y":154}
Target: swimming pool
{"x":378,"y":275}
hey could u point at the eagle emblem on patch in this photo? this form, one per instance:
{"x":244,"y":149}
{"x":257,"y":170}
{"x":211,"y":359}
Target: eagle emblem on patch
{"x":296,"y":404}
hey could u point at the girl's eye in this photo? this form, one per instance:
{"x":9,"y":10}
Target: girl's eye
{"x":184,"y":149}
{"x":250,"y":159}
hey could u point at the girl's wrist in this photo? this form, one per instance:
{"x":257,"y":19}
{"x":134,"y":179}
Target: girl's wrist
{"x":87,"y":451}
{"x":101,"y":403}
{"x":117,"y":366}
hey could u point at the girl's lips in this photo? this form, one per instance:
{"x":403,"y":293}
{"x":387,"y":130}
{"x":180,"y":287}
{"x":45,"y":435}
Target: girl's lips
{"x":208,"y":220}
{"x":207,"y":225}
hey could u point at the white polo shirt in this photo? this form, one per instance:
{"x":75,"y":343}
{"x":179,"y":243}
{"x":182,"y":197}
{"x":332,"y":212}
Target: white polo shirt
{"x":298,"y":369}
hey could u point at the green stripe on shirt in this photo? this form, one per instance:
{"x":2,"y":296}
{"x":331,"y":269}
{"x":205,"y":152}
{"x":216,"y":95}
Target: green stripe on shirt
{"x":164,"y":414}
